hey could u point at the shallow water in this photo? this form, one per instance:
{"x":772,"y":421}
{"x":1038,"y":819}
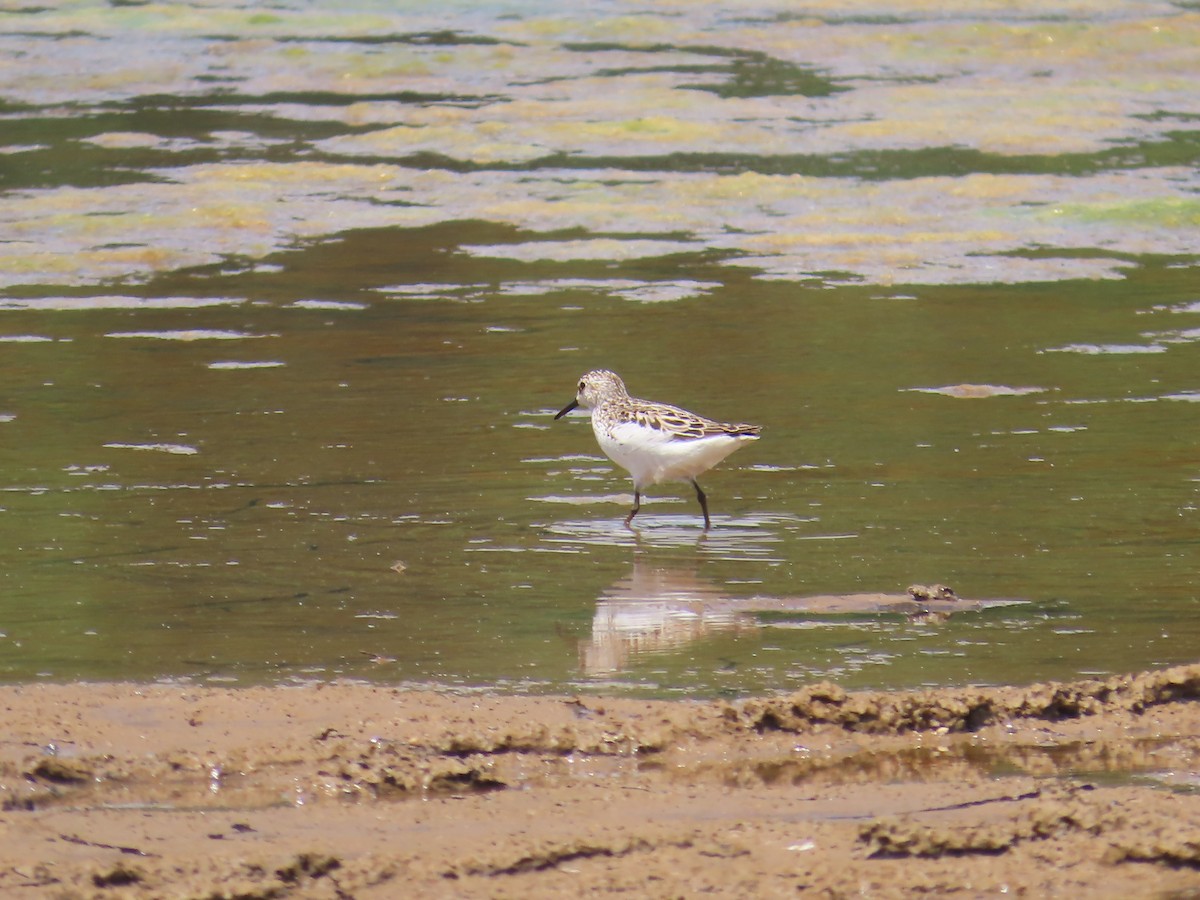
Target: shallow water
{"x":288,"y":301}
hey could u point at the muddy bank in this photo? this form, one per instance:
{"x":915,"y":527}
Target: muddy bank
{"x":1090,"y":788}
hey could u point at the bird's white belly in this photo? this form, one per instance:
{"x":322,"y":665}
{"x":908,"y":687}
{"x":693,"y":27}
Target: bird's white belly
{"x":652,"y":456}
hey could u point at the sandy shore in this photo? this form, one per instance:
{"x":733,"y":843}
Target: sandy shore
{"x":121,"y":790}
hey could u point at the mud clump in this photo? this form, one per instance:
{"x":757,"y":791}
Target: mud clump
{"x":548,"y":855}
{"x":1041,"y":815}
{"x":1158,"y":839}
{"x":119,"y":875}
{"x":966,"y":709}
{"x":62,"y":771}
{"x":307,"y":865}
{"x":391,"y":773}
{"x":533,"y":738}
{"x":869,"y":712}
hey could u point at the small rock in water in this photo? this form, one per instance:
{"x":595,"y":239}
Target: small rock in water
{"x":924,"y":593}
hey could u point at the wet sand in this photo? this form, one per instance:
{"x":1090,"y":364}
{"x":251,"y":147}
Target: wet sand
{"x":349,"y":790}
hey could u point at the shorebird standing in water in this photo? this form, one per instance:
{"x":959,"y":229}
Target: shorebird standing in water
{"x":655,"y":441}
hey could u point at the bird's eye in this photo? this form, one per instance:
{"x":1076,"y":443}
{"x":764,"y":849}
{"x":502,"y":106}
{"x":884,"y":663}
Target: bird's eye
{"x":582,"y":385}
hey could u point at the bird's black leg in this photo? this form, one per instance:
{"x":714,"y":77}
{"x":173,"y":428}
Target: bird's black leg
{"x":637,"y":504}
{"x":703,"y":504}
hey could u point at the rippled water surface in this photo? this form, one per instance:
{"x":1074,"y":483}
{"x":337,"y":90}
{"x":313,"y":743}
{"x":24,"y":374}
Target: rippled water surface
{"x":289,"y":297}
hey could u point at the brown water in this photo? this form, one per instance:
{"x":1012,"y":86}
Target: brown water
{"x":290,"y":297}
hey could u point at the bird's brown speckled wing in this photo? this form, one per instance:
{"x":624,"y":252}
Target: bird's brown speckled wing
{"x":680,"y":422}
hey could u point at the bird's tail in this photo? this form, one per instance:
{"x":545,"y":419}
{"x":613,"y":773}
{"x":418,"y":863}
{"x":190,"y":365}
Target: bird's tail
{"x":743,"y":430}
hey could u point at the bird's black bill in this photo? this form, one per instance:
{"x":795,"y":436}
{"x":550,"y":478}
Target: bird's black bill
{"x":566,"y":409}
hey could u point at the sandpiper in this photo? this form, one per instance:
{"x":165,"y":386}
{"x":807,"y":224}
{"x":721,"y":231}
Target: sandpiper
{"x":655,"y":441}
